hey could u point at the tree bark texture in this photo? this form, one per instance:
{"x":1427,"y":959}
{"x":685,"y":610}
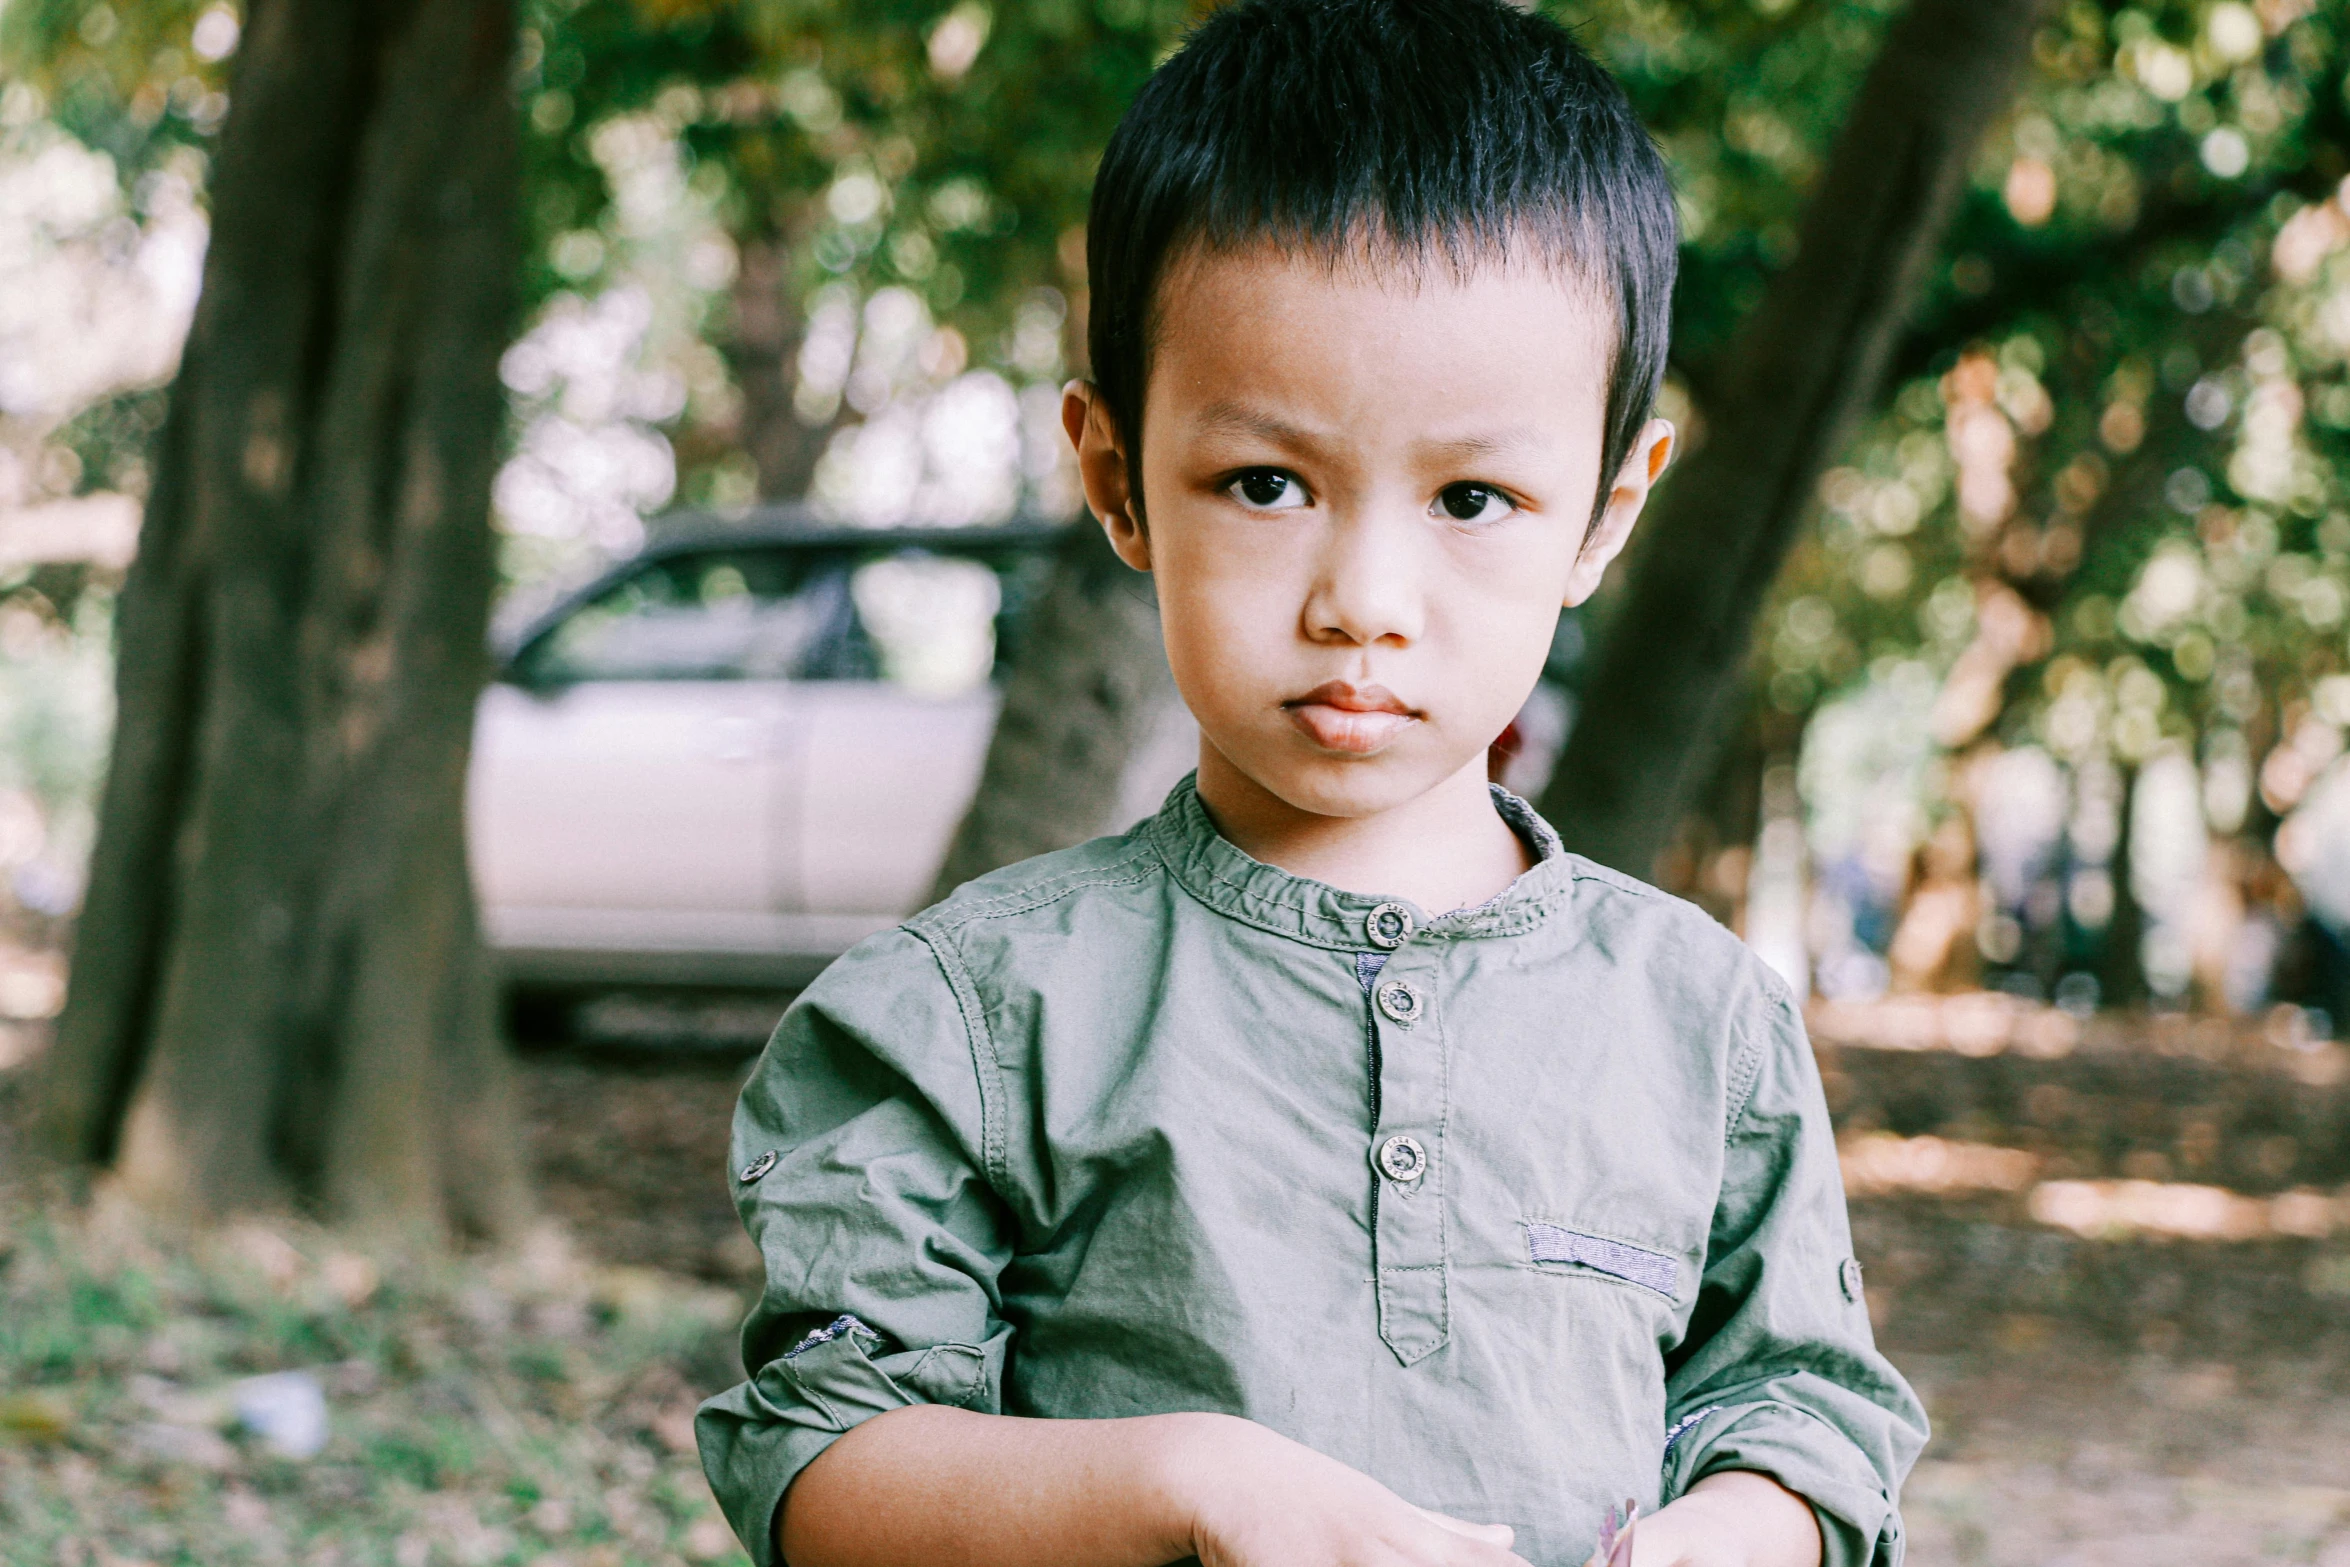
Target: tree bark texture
{"x":1795,"y":383}
{"x":1089,"y":686}
{"x":279,"y":993}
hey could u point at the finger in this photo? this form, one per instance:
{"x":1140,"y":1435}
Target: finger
{"x":1500,"y":1534}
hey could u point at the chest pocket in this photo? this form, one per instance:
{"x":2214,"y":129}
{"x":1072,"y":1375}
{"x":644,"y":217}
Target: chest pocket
{"x":1556,"y":1246}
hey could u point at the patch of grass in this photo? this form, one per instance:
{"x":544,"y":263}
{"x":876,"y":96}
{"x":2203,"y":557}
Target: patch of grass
{"x":528,"y":1409}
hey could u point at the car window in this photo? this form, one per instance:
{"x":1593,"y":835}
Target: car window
{"x":927,"y":620}
{"x":718,"y":616}
{"x":931,"y":618}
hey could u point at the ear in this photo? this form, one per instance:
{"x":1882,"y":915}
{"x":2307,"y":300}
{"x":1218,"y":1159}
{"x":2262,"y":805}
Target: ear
{"x":1652,"y":449}
{"x":1101,"y":467}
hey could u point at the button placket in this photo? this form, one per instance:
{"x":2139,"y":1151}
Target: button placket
{"x":1406,"y":1153}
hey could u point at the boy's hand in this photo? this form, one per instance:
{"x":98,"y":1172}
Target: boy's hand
{"x":1257,"y":1499}
{"x":1732,"y":1518}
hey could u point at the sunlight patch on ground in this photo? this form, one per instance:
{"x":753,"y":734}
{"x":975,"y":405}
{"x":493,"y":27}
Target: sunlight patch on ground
{"x":2118,"y":1209}
{"x":1879,"y":1164}
{"x":1990,"y":1023}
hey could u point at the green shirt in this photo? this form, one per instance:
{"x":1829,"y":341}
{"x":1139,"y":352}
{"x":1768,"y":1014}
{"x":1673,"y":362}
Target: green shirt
{"x":1521,"y":1210}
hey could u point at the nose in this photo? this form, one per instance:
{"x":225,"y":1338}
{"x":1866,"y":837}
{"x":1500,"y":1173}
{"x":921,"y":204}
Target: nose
{"x":1369,"y":584}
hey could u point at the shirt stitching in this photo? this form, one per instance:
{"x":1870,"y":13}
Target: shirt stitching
{"x":1182,"y":855}
{"x":994,"y":1136}
{"x":1745,"y":1071}
{"x":942,"y":1353}
{"x":1293,"y":928}
{"x":1442,"y":1040}
{"x":1439,"y":1332}
{"x":816,"y":1396}
{"x":949,"y":917}
{"x":1184,"y":860}
{"x":937,"y":930}
{"x":1517,"y":921}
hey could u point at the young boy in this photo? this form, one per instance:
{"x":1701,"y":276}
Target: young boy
{"x":1330,"y":1171}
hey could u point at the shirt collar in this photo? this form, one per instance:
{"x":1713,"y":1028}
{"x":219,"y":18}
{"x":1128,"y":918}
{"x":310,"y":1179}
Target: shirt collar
{"x":1232,"y":882}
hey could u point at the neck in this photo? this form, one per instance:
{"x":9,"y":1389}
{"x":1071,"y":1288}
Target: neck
{"x":1444,"y":849}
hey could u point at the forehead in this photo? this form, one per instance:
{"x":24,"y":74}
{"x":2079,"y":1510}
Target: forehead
{"x":1358,"y":329}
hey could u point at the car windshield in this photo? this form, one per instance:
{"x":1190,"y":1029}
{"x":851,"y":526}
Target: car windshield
{"x":923,"y":619}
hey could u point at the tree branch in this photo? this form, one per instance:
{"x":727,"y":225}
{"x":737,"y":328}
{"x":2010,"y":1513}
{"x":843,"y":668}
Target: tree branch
{"x":1796,"y":382}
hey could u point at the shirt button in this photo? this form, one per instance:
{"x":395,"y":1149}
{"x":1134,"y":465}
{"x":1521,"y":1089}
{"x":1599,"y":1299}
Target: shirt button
{"x":758,"y":1167}
{"x":1402,"y":1159}
{"x":1389,"y":926}
{"x":1401,"y":1001}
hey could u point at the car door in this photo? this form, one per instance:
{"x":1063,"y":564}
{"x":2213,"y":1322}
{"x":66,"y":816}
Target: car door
{"x":895,"y":737}
{"x":631,"y":788}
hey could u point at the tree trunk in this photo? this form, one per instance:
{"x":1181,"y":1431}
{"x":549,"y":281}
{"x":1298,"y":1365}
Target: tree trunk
{"x":279,"y":993}
{"x":2121,"y":946}
{"x":1088,"y":687}
{"x":762,"y":353}
{"x":1795,"y":382}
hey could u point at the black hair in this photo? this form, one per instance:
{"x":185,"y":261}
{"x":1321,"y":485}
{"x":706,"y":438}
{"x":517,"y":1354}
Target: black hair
{"x":1428,"y":130}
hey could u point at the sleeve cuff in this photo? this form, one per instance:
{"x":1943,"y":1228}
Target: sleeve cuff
{"x":1859,"y":1524}
{"x":757,"y":1437}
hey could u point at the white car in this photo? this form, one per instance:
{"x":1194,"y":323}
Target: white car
{"x":733,"y":756}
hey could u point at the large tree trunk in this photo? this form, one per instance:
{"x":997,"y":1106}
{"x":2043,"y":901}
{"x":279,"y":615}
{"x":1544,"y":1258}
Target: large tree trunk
{"x":279,"y":993}
{"x":1795,"y":383}
{"x":1089,"y":686}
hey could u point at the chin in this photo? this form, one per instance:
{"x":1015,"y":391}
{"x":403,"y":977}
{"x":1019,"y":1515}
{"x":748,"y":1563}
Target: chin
{"x":1352,"y":786}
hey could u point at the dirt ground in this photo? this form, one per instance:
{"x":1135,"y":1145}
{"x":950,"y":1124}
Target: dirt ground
{"x":2053,"y":1456}
{"x":631,"y":1154}
{"x":2135,"y":1402}
{"x":2139,"y":1403}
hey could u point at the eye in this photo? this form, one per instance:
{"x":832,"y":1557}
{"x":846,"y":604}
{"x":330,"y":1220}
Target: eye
{"x":1267,"y":489}
{"x":1474,"y":503}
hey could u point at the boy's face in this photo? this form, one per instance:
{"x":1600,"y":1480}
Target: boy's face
{"x":1367,"y":494}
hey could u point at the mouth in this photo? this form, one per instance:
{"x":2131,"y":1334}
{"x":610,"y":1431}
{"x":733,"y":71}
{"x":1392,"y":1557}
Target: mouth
{"x":1355,"y":720}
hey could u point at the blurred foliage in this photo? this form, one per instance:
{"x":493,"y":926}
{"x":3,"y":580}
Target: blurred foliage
{"x":2129,"y":361}
{"x":950,"y":151}
{"x":2105,"y":512}
{"x":132,"y":81}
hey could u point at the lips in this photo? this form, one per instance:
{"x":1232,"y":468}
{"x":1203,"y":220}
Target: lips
{"x":1356,"y":720}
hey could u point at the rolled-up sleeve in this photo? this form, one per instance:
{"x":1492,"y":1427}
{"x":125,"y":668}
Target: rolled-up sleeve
{"x":857,"y":1158}
{"x":1779,"y":1372}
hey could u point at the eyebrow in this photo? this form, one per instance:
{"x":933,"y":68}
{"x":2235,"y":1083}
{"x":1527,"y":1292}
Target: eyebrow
{"x":1240,"y":419}
{"x":1501,"y":443}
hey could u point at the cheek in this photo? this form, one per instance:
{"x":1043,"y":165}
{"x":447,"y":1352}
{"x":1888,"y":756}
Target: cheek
{"x":1220,"y":613}
{"x":1500,"y":622}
